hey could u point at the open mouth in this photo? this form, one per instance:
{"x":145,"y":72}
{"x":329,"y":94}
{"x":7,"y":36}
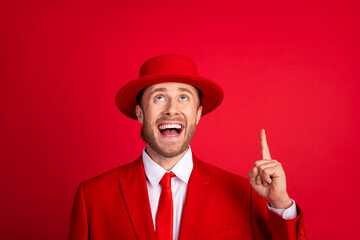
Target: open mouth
{"x":170,"y":129}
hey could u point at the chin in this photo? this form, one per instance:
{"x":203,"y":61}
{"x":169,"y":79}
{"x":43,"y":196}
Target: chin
{"x":168,"y":150}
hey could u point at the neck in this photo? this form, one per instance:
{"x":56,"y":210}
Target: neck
{"x":165,"y":162}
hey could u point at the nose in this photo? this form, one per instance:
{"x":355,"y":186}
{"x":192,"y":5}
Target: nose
{"x":171,"y":108}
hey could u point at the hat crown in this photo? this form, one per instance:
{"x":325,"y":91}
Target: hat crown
{"x":170,"y":64}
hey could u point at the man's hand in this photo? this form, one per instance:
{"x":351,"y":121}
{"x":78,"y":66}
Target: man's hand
{"x":267,"y":178}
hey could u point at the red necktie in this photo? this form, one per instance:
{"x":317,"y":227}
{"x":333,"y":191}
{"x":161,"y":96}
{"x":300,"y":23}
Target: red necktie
{"x":164,"y":216}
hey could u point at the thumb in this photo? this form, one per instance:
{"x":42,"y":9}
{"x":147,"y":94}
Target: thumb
{"x":252,"y":175}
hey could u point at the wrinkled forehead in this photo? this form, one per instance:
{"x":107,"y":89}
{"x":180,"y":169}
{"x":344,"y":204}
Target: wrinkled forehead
{"x":168,"y":87}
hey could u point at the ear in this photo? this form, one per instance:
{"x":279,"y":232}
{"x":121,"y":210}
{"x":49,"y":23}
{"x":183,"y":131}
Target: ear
{"x":198,"y":114}
{"x":139,"y":114}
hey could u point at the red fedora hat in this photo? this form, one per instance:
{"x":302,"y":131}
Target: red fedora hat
{"x":168,"y":68}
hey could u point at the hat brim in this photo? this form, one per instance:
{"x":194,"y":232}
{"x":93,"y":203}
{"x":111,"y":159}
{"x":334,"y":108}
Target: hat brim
{"x":212,"y":94}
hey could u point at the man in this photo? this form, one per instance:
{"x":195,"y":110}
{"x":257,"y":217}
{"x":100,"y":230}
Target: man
{"x":168,"y":193}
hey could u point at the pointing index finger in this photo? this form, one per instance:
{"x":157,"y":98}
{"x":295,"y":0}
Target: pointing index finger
{"x":265,"y":152}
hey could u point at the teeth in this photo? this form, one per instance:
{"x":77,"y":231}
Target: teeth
{"x":166,"y":126}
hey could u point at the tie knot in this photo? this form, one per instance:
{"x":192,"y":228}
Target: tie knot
{"x":166,"y":180}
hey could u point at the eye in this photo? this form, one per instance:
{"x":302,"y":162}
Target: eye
{"x":159,"y":98}
{"x":184,"y":98}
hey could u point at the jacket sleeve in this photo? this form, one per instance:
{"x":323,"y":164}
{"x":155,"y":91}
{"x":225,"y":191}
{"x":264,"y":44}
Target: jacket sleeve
{"x":78,"y":221}
{"x":267,"y":224}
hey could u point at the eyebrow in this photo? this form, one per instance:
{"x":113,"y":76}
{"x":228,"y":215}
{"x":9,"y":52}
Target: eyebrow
{"x":157,"y":90}
{"x":185,"y":90}
{"x":165,"y":90}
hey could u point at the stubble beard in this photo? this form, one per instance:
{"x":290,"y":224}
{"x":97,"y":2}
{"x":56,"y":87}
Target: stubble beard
{"x":148,"y":136}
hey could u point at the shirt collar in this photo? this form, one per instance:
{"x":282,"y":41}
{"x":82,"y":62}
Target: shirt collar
{"x":182,"y":169}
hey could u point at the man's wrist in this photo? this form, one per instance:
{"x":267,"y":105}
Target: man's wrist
{"x":284,"y":204}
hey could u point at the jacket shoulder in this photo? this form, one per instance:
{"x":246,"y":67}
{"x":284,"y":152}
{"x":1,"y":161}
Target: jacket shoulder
{"x":107,"y":179}
{"x":218,"y":171}
{"x":223,"y":177}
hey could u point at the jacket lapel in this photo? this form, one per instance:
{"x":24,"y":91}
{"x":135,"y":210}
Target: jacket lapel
{"x":198,"y":192}
{"x":134,"y":191}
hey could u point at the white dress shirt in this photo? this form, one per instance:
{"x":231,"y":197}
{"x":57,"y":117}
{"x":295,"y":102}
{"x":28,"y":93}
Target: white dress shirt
{"x":155,"y":172}
{"x":182,"y":171}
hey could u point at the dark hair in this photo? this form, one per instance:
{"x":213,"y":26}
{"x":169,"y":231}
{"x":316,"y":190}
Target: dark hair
{"x":141,"y":93}
{"x":139,"y":96}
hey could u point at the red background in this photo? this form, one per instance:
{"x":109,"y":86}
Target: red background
{"x":289,"y":68}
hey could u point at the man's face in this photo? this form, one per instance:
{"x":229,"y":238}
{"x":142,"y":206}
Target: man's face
{"x":169,"y":114}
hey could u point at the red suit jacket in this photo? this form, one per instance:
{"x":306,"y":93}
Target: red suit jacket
{"x":218,"y":205}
